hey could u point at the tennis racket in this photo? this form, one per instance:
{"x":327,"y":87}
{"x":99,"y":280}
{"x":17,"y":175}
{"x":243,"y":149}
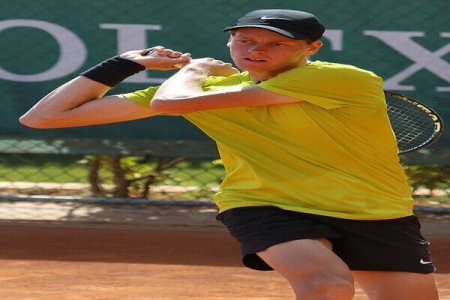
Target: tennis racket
{"x":152,"y":50}
{"x":414,"y":124}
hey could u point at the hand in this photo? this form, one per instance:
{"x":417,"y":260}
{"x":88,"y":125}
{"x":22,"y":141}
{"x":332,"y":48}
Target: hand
{"x":158,"y":58}
{"x":213,"y":67}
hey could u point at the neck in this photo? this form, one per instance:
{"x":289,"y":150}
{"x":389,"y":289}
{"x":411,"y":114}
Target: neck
{"x":258,"y":77}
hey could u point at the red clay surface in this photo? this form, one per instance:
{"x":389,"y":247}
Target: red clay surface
{"x":101,"y":261}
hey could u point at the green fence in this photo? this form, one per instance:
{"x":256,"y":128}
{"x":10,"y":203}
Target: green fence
{"x":47,"y":42}
{"x":125,"y":168}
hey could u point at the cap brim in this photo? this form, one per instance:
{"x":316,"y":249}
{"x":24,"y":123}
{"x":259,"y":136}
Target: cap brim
{"x":296,"y":36}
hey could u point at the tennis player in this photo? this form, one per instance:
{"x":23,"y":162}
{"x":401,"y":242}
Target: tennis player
{"x":313,"y":186}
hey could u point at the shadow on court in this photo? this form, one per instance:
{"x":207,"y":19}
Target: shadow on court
{"x":127,"y":245}
{"x":164,"y":260}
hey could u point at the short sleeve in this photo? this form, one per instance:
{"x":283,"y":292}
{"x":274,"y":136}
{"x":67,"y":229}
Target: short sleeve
{"x":328,"y":85}
{"x":142,"y":97}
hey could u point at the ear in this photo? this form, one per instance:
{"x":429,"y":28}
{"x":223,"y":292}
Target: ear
{"x":229,"y":42}
{"x":314,"y":47}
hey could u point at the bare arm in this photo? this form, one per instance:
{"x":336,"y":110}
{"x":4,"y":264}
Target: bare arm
{"x":182,"y":93}
{"x":81,"y":101}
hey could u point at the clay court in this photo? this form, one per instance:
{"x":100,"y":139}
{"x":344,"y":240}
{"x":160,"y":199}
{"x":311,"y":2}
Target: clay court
{"x":147,"y":252}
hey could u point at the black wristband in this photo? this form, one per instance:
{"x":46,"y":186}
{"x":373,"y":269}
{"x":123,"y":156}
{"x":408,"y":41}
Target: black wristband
{"x":113,"y":71}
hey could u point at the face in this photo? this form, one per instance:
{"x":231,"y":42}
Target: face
{"x":265,"y":54}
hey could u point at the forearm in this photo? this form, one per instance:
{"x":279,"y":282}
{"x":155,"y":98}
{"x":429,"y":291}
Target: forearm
{"x":62,"y":100}
{"x":183,"y":92}
{"x":185,"y":83}
{"x":73,"y":94}
{"x":81,"y":101}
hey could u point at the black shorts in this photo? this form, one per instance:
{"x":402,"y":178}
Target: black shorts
{"x":382,"y":245}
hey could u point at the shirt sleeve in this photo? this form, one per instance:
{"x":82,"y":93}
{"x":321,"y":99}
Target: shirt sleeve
{"x":212,"y":83}
{"x":142,"y":97}
{"x":328,"y":85}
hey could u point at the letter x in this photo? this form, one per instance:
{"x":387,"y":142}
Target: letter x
{"x":423,"y":58}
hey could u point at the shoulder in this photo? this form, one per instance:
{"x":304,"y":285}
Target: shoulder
{"x":321,"y":74}
{"x":326,"y":73}
{"x":333,"y":76}
{"x":329,"y":85}
{"x":242,"y":78}
{"x":343,"y":73}
{"x":322,"y":68}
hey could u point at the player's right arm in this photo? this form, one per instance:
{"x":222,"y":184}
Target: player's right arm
{"x":82,"y":101}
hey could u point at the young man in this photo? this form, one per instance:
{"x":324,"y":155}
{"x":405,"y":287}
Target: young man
{"x":313,"y":186}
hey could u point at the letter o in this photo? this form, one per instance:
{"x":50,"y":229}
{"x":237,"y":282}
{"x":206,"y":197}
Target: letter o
{"x":73,"y":52}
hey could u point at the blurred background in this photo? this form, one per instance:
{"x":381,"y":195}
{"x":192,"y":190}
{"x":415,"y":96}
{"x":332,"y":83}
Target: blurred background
{"x":45,"y":43}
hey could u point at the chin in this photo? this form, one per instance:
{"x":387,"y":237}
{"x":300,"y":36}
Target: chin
{"x":252,"y":68}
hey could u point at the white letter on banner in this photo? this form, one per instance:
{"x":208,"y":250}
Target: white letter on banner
{"x":72,"y":51}
{"x":133,"y":37}
{"x":422,"y":57}
{"x":335,"y":38}
{"x":444,"y":88}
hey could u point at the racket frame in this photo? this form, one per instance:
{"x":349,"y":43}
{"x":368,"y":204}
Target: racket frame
{"x":434,"y":116}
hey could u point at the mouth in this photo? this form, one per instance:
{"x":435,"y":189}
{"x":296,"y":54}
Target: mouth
{"x":255,"y":60}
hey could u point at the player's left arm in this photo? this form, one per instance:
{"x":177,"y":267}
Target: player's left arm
{"x":183,"y":93}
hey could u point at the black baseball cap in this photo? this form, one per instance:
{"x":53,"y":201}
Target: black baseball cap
{"x":294,"y":24}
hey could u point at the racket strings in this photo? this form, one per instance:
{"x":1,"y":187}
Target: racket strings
{"x":412,"y":125}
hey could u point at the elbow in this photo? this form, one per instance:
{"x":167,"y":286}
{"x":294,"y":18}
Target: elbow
{"x":157,"y":105}
{"x":26,"y":121}
{"x":33,"y":122}
{"x":164,"y":106}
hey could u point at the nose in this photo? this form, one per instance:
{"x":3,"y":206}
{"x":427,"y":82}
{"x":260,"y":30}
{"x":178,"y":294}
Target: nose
{"x":258,"y":48}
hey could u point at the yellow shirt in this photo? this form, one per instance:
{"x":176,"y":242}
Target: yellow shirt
{"x":333,"y":153}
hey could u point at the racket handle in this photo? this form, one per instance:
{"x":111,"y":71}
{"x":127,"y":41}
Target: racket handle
{"x":151,"y":50}
{"x":147,"y":51}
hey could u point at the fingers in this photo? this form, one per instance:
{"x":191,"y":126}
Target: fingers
{"x":214,"y":66}
{"x":161,"y":51}
{"x":184,"y":59}
{"x":210,"y":62}
{"x":161,"y":58}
